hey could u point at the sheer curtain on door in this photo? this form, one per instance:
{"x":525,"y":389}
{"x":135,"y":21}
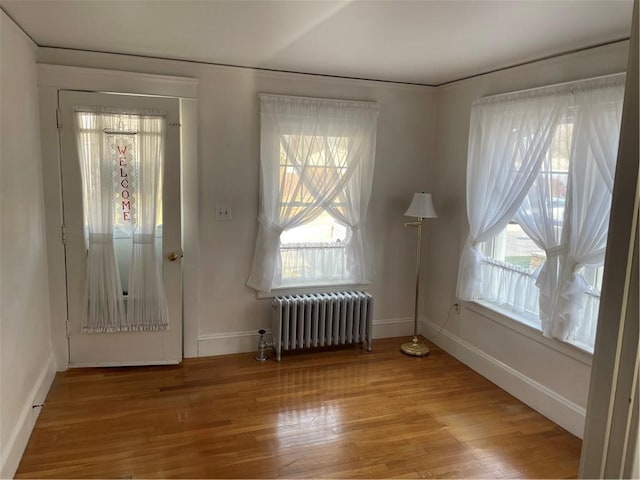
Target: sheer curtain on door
{"x":121,"y":153}
{"x":103,"y":292}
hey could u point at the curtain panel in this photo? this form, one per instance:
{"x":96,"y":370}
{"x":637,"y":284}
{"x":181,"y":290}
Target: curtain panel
{"x":316,"y":155}
{"x":510,"y":172}
{"x":509,"y":137}
{"x":107,"y":141}
{"x":598,"y":114}
{"x":146,"y":300}
{"x":103,"y":298}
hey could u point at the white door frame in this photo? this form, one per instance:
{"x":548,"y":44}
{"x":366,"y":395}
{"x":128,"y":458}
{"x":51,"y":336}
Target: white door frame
{"x":609,"y":447}
{"x":52,"y":78}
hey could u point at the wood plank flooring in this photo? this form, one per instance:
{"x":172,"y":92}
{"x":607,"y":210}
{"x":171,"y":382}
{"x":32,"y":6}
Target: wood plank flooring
{"x":344,"y":413}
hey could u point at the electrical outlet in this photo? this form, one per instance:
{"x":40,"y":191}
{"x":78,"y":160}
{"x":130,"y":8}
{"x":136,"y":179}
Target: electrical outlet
{"x":223,"y":213}
{"x":456,"y":308}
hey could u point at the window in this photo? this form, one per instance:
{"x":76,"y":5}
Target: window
{"x":121,"y":151}
{"x":540,"y":172}
{"x":512,"y":259}
{"x":313,"y":253}
{"x":317,"y":160}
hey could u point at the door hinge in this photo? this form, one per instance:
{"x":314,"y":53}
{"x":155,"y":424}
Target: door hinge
{"x":63,"y":234}
{"x":58,"y":119}
{"x":68,"y":329}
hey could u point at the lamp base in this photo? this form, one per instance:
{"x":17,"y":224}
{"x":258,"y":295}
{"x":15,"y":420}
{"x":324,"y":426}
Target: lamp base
{"x":415,"y":348}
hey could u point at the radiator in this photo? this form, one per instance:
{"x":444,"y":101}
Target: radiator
{"x":321,"y":319}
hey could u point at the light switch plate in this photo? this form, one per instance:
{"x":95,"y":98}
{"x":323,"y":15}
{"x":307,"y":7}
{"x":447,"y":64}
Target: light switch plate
{"x":223,"y":213}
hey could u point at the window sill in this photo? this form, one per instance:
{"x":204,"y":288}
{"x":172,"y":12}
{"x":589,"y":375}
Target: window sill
{"x":528,"y":329}
{"x":302,"y":289}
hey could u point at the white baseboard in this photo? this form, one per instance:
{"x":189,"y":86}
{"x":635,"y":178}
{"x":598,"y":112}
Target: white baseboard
{"x":240,"y":342}
{"x":228,"y":342}
{"x":393,"y":327}
{"x":21,"y":432}
{"x":175,"y":361}
{"x":555,"y":407}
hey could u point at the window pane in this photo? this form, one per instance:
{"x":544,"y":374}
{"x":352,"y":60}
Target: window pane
{"x":561,"y":146}
{"x":324,"y":229}
{"x":122,"y":155}
{"x":314,"y":252}
{"x":520,"y":250}
{"x":585,"y":335}
{"x":310,"y":166}
{"x":511,"y":258}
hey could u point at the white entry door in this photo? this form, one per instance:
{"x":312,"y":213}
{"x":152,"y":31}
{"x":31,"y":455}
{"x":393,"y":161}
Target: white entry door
{"x":109,"y":338}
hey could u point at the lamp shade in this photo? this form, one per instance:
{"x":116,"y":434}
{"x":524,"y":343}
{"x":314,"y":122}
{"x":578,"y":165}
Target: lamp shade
{"x":421,"y":206}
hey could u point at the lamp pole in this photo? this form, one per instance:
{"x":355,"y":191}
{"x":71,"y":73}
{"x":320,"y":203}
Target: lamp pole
{"x":415,"y":348}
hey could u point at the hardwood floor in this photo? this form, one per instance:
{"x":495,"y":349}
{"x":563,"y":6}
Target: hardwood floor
{"x":336,"y":414}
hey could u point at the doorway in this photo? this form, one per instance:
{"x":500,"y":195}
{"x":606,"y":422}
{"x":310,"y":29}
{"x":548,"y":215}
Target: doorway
{"x":120,"y":167}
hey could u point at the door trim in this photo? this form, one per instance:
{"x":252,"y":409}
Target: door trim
{"x":52,"y":78}
{"x":114,"y":81}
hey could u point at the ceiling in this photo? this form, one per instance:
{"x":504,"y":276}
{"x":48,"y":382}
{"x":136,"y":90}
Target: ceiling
{"x":427,"y":42}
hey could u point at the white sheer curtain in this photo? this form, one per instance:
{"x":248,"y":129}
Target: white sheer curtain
{"x":598,"y":112}
{"x":314,"y":153}
{"x":509,"y":136}
{"x":540,"y":216}
{"x":100,"y":132}
{"x":313,"y":262}
{"x":546,"y":234}
{"x":570,"y":141}
{"x":510,"y":287}
{"x":352,"y":209}
{"x":146,"y":299}
{"x":103,"y":292}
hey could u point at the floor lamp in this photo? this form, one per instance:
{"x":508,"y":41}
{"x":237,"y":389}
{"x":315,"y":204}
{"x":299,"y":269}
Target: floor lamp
{"x":421,"y":207}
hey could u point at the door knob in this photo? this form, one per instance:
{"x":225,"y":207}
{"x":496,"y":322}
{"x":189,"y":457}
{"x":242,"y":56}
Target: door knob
{"x":173,"y":256}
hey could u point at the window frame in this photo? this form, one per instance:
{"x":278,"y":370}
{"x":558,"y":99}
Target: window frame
{"x":282,"y":116}
{"x":548,"y":168}
{"x":600,"y":100}
{"x":311,"y":285}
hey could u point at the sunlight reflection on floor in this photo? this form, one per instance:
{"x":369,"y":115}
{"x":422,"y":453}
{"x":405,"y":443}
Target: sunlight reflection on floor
{"x":311,"y":426}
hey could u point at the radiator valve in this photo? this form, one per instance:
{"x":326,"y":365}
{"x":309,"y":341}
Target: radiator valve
{"x":262,"y":347}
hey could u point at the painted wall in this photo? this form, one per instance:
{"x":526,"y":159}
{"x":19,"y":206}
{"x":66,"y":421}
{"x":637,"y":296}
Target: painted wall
{"x":551,"y":376}
{"x":229,"y":313}
{"x":27,"y":365}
